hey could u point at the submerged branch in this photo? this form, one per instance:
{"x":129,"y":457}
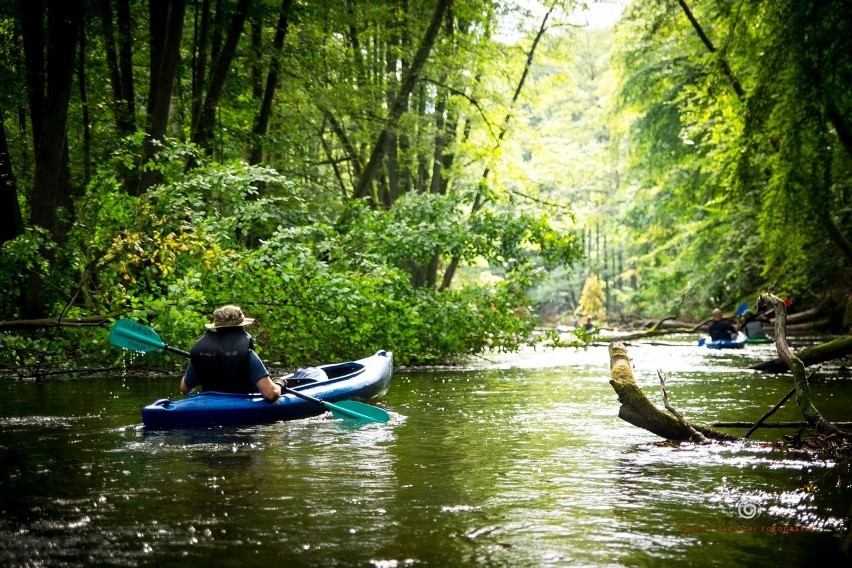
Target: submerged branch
{"x":772,"y":411}
{"x":755,"y":425}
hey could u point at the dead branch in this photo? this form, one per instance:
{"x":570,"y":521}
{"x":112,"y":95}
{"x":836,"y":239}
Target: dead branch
{"x":798,"y":424}
{"x":87,"y":321}
{"x":834,"y":349}
{"x":800,"y":378}
{"x":696,"y":436}
{"x":639,"y":411}
{"x":774,"y":409}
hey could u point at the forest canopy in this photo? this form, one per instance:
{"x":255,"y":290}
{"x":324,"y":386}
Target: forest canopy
{"x":434,"y":178}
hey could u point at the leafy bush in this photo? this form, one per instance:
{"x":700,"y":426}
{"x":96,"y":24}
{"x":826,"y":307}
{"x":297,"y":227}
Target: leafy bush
{"x":320,"y":292}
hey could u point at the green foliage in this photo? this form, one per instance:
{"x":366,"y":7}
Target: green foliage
{"x":737,"y":194}
{"x":320,"y":293}
{"x":727,"y":194}
{"x":22,"y":257}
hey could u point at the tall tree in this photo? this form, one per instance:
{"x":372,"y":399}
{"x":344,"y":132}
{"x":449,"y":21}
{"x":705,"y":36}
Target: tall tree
{"x":400,"y":103}
{"x":166,"y":31}
{"x":49,"y":87}
{"x":120,"y":63}
{"x":49,"y":81}
{"x":11,"y":222}
{"x":261,"y":123}
{"x":204,"y":122}
{"x":480,"y":198}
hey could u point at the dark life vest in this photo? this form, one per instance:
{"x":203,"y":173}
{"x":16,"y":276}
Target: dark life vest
{"x":221,"y":360}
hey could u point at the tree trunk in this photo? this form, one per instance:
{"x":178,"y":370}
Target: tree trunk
{"x":834,"y":349}
{"x":31,"y":14}
{"x":49,"y":82}
{"x":723,"y":63}
{"x":199,"y":63}
{"x":352,"y":154}
{"x":120,"y":70}
{"x":261,"y":124}
{"x":400,"y":102}
{"x":11,"y":222}
{"x":125,"y":67}
{"x":205,"y":122}
{"x":51,"y":184}
{"x":84,"y":105}
{"x":166,"y":21}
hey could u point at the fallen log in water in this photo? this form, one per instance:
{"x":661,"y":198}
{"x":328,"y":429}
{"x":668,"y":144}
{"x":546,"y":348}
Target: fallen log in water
{"x":638,"y":410}
{"x":835,"y":349}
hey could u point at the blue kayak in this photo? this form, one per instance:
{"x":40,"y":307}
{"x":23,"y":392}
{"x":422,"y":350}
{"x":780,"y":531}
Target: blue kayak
{"x":737,"y":343}
{"x":358,"y":380}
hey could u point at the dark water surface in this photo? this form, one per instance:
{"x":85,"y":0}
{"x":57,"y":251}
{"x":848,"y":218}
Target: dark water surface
{"x":519,"y":460}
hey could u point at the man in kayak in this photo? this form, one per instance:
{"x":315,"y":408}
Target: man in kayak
{"x":720,"y":328}
{"x":223,"y":359}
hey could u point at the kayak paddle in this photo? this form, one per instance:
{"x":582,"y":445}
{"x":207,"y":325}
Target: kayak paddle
{"x":134,"y":336}
{"x":137,"y":337}
{"x":346,"y":409}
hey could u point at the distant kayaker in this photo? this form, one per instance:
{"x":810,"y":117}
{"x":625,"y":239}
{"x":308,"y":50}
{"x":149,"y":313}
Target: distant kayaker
{"x":720,"y":328}
{"x":753,"y":325}
{"x":223,"y":359}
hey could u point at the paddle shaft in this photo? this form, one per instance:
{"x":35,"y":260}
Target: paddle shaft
{"x":304,"y":396}
{"x":329,"y":406}
{"x":176,"y":350}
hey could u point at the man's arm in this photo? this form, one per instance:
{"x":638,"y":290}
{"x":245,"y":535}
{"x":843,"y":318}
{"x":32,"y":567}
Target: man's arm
{"x":268,"y":389}
{"x":187,"y":382}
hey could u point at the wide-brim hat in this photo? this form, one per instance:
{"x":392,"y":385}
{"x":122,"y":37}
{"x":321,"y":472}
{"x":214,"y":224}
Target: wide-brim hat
{"x":229,"y":316}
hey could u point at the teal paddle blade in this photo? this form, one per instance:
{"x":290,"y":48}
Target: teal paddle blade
{"x":354,"y":410}
{"x":134,"y":336}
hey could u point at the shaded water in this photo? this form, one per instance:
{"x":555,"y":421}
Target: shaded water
{"x":517,"y":461}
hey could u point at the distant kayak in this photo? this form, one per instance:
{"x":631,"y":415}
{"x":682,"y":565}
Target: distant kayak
{"x":737,"y":343}
{"x":758,"y":340}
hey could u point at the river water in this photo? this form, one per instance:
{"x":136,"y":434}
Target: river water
{"x":516,"y":460}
